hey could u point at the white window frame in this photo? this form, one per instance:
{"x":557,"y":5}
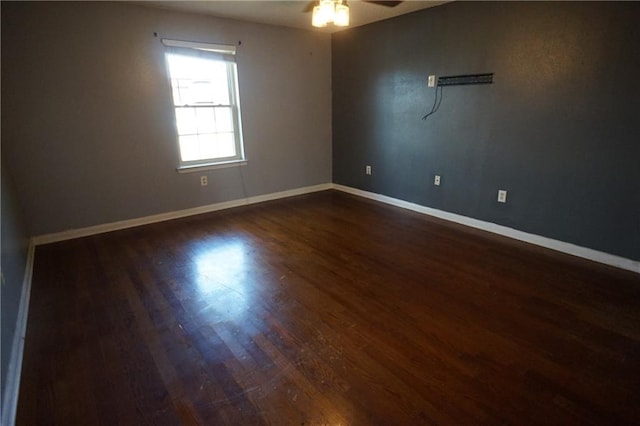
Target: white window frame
{"x":225,"y":53}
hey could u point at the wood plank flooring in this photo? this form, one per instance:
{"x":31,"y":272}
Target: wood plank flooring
{"x":326,"y":309}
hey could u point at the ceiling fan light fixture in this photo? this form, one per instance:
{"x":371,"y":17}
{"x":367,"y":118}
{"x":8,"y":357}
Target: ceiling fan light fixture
{"x":318,"y":19}
{"x":341,"y":18}
{"x":330,"y":11}
{"x":327,"y":10}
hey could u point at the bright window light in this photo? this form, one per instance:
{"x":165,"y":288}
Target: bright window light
{"x":205,"y":101}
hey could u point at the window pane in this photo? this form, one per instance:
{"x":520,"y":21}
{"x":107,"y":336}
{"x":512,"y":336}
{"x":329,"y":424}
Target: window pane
{"x":224,"y":122}
{"x":186,"y":121}
{"x":201,"y":92}
{"x":198,"y":80}
{"x":226,"y":145}
{"x":193,"y":67}
{"x":189,"y":149}
{"x":208,"y":146}
{"x":220,"y":89}
{"x":184,"y":91}
{"x":206,"y":120}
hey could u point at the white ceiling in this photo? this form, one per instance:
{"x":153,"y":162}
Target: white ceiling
{"x":290,"y":13}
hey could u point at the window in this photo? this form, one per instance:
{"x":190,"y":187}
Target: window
{"x":204,"y":87}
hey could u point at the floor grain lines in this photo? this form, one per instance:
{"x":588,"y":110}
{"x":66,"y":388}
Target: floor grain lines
{"x":326,"y":309}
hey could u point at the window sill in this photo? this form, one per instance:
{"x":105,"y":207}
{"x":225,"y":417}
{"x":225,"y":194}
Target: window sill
{"x":210,"y":166}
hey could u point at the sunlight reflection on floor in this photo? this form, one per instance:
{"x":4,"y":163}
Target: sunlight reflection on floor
{"x":222,"y":278}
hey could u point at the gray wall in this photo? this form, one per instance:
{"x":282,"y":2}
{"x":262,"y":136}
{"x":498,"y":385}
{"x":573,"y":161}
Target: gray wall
{"x":86,"y":111}
{"x":559,"y":129}
{"x":14,"y":257}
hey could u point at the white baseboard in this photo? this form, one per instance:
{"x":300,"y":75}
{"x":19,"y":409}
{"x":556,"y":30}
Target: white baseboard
{"x":12,"y":385}
{"x":130,"y":223}
{"x":561,"y":246}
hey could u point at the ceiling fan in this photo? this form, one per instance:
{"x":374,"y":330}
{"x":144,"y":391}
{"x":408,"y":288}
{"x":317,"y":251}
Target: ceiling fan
{"x":336,"y":11}
{"x":309,"y":7}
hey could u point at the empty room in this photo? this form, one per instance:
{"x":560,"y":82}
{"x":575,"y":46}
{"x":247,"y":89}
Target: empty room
{"x":320,"y":213}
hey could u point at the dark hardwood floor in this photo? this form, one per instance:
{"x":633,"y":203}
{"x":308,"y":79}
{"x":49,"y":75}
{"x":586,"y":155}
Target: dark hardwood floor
{"x":326,"y":309}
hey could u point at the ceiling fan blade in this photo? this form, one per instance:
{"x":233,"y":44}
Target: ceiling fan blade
{"x":309,"y":7}
{"x":385,"y":3}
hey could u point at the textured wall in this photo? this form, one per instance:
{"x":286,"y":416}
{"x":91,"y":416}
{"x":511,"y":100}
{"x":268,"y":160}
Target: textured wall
{"x":14,"y":257}
{"x":559,"y":129}
{"x":86,"y":111}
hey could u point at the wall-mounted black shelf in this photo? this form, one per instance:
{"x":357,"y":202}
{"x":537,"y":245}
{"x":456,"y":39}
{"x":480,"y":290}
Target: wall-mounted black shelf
{"x":460,"y":80}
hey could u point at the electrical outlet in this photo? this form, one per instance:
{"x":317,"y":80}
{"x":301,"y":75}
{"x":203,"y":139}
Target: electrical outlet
{"x":367,"y":170}
{"x":431,"y":81}
{"x":502,"y":196}
{"x":436,"y":180}
{"x":204,"y":181}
